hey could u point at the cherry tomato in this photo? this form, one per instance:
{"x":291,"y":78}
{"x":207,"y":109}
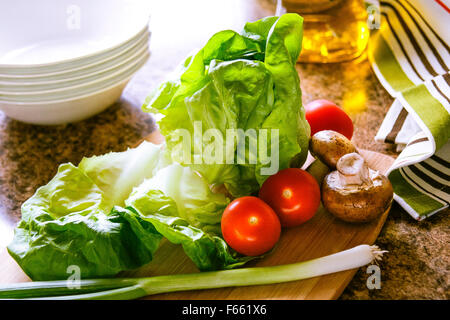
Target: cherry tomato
{"x":325,"y":115}
{"x":250,"y":226}
{"x":293,"y":194}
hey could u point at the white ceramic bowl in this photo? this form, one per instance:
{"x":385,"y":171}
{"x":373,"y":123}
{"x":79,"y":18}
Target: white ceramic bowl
{"x":69,"y":110}
{"x":63,"y":61}
{"x":48,"y":33}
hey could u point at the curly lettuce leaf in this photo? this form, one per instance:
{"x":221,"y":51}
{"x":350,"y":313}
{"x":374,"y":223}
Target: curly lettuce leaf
{"x":181,"y":207}
{"x":63,"y":227}
{"x":69,"y":222}
{"x":193,"y":199}
{"x":242,"y":81}
{"x":116,"y":173}
{"x":77,"y":218}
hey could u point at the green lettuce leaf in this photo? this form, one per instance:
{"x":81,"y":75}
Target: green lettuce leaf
{"x":181,"y":207}
{"x":78,"y":219}
{"x":116,"y":173}
{"x":98,"y":244}
{"x":192,"y":198}
{"x":68,"y":222}
{"x":236,"y":81}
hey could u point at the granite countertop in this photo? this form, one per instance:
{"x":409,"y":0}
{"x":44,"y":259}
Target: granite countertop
{"x":417,"y":266}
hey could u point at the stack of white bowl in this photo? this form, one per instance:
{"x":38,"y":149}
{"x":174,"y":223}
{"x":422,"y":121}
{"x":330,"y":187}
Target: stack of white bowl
{"x":62,"y":61}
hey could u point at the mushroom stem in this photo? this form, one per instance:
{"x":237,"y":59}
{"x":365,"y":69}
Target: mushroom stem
{"x":353,"y":170}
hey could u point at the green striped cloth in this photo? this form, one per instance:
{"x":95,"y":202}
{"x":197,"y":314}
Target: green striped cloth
{"x":411,"y":57}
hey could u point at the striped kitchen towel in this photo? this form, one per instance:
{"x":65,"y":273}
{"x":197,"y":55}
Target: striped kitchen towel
{"x":410,"y":55}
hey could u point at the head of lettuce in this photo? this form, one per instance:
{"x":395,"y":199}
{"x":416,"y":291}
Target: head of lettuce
{"x":109,"y":213}
{"x":233,"y":110}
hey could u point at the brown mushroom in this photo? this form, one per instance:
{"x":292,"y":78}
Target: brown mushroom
{"x":329,"y":146}
{"x":354,"y":192}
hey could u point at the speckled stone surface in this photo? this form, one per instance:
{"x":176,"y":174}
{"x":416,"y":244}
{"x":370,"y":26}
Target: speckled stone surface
{"x":417,"y":266}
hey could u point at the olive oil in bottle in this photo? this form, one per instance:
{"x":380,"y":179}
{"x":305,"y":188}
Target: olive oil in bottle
{"x":333,"y":30}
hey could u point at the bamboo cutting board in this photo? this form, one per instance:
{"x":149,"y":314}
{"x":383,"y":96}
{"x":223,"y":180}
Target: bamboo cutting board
{"x":320,"y":236}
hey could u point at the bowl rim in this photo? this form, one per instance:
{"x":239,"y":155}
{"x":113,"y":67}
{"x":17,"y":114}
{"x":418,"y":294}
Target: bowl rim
{"x":79,"y":59}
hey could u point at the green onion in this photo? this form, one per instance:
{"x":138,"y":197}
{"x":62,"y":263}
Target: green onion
{"x":61,"y":287}
{"x":133,"y":288}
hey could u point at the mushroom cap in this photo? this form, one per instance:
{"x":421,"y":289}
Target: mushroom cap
{"x":357,"y":203}
{"x":329,"y":146}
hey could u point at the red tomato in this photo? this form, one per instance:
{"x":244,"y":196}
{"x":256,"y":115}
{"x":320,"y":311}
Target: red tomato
{"x":293,"y":194}
{"x":250,"y":226}
{"x":325,"y":115}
